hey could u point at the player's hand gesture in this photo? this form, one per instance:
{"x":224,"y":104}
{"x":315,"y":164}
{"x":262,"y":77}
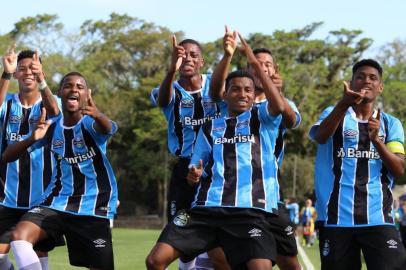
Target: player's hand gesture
{"x":90,"y":108}
{"x":36,"y":68}
{"x":373,"y":126}
{"x":350,"y":97}
{"x":41,"y":127}
{"x":277,"y":79}
{"x":10,"y":60}
{"x":178,"y":53}
{"x":246,"y":50}
{"x":193,"y":177}
{"x":229,"y":42}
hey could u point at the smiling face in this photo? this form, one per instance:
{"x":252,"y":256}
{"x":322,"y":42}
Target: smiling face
{"x":239,"y":95}
{"x":73,"y":93}
{"x":25,"y":77}
{"x":193,"y":61}
{"x":367,"y":78}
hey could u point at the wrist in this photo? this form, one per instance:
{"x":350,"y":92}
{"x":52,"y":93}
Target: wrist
{"x":42,"y":85}
{"x":6,"y":75}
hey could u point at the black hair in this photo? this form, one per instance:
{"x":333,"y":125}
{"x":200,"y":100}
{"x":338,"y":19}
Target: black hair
{"x":238,"y":74}
{"x":26,"y":54}
{"x":367,"y":62}
{"x":72,"y":73}
{"x":262,"y":50}
{"x":191,"y":41}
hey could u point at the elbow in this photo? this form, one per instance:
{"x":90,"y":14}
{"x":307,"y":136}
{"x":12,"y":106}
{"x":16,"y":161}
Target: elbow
{"x":319,"y":139}
{"x":398,"y":172}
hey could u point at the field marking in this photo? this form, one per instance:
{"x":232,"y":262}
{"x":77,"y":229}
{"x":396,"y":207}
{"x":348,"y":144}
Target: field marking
{"x":307,"y":263}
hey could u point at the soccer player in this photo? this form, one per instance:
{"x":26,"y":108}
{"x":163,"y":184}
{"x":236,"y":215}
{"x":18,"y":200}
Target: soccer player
{"x":24,"y":180}
{"x":82,"y":195}
{"x":186,"y":105}
{"x":360,"y":151}
{"x":238,"y":188}
{"x":281,"y":226}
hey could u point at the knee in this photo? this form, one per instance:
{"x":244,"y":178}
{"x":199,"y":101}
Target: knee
{"x":154,"y":263}
{"x":18,"y":235}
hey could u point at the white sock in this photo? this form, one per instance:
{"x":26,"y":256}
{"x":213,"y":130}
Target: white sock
{"x":187,"y":265}
{"x":44,"y":262}
{"x":25,"y":256}
{"x":5,"y":263}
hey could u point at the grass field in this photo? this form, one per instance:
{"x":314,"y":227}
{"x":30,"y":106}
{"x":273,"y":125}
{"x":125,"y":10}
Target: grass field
{"x":131,"y":246}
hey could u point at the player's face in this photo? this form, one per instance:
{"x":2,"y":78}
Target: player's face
{"x":367,"y":78}
{"x":193,"y":61}
{"x":239,"y":95}
{"x":25,"y":77}
{"x":73,"y":93}
{"x":267,"y":64}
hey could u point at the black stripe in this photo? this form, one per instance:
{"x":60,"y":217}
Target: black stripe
{"x":279,"y":143}
{"x":198,"y":111}
{"x":24,"y":164}
{"x":177,"y":121}
{"x":387,"y":198}
{"x":257,"y":192}
{"x":360,"y":212}
{"x":3,"y":166}
{"x":230,"y":165}
{"x":206,"y":182}
{"x":58,"y":185}
{"x":78,"y":177}
{"x":102,"y":176}
{"x":332,"y":217}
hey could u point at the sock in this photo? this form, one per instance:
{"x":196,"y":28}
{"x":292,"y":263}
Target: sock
{"x":44,"y":262}
{"x":5,"y":263}
{"x":25,"y":256}
{"x":187,"y":265}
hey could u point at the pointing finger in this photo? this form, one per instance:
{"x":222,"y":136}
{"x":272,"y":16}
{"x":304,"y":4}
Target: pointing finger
{"x":43,"y":115}
{"x":174,"y":43}
{"x":200,"y":165}
{"x":378,"y":114}
{"x":12,"y":49}
{"x":346,"y":86}
{"x":89,"y":98}
{"x":227,"y":30}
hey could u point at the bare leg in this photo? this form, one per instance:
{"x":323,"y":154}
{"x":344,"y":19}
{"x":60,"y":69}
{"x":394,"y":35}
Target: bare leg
{"x":161,"y":256}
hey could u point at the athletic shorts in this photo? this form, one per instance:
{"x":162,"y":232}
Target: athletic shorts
{"x":381,"y":246}
{"x":180,"y":193}
{"x":8,"y":221}
{"x":283,"y":230}
{"x":241,"y":232}
{"x":88,"y":238}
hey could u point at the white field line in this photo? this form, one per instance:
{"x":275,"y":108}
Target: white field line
{"x":307,"y":263}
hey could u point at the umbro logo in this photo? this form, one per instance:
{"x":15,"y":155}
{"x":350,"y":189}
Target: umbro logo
{"x":35,"y":210}
{"x":289,"y":230}
{"x":392,"y":244}
{"x":99,"y":243}
{"x":350,"y":133}
{"x":255,"y":232}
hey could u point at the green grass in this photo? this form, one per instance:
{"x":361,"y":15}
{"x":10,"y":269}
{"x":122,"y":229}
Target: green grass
{"x":131,"y":246}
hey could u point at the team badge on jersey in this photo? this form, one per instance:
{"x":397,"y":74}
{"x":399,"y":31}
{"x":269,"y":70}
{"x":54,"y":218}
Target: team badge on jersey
{"x":14,"y":119}
{"x":57,"y":143}
{"x":181,"y":218}
{"x":78,"y":142}
{"x":326,"y":247}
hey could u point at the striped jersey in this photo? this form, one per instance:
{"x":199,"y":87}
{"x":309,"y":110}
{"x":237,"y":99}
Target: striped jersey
{"x":83,"y":181}
{"x":186,"y":112}
{"x":353,"y":186}
{"x":23,"y":181}
{"x":240,"y":168}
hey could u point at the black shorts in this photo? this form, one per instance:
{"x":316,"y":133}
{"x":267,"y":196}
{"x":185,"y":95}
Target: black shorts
{"x":242,"y":233}
{"x":88,"y":238}
{"x":180,"y":193}
{"x":283,"y":230}
{"x":9,"y":219}
{"x":381,"y":246}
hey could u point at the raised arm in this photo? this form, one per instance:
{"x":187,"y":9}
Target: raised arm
{"x":275,"y":100}
{"x":329,"y":125}
{"x":48,"y":98}
{"x":13,"y":151}
{"x":220,"y":73}
{"x":102,"y":123}
{"x":9,"y":66}
{"x":166,"y":89}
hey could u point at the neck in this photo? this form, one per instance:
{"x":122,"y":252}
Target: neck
{"x":71,"y":118}
{"x":29,"y":98}
{"x":192,"y":83}
{"x":364,"y":111}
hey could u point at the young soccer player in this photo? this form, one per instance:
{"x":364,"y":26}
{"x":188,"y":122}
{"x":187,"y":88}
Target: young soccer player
{"x":82,"y":195}
{"x":360,"y":151}
{"x":24,"y":180}
{"x":238,"y":188}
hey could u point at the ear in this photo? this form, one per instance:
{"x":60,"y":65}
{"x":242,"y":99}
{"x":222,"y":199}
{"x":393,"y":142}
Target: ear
{"x":381,"y":87}
{"x":202,"y":62}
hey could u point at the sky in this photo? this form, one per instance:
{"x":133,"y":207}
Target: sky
{"x":205,"y":20}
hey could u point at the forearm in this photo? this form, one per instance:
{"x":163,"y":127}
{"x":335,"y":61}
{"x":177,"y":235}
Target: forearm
{"x":14,"y":150}
{"x":288,"y":115}
{"x":329,"y":125}
{"x":4,"y":84}
{"x":219,"y":77}
{"x":102,"y":124}
{"x":165,"y":90}
{"x":393,"y":162}
{"x":49,"y":102}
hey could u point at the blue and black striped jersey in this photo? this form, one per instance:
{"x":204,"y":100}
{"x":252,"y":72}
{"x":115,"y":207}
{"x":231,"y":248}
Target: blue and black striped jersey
{"x":240,"y":168}
{"x":353,"y":186}
{"x":186,"y":112}
{"x":83,"y":181}
{"x":24,"y":180}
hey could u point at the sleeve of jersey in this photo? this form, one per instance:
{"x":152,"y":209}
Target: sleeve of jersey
{"x":99,"y":137}
{"x":395,"y":139}
{"x":298,"y":116}
{"x":3,"y":106}
{"x":202,"y":149}
{"x":267,"y":117}
{"x":154,"y":97}
{"x":313,"y":129}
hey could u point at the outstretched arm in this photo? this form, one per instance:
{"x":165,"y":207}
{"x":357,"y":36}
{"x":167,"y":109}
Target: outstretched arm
{"x":10,"y":66}
{"x":102,"y":123}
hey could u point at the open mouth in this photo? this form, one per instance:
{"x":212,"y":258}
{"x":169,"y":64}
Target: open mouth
{"x":73,"y":100}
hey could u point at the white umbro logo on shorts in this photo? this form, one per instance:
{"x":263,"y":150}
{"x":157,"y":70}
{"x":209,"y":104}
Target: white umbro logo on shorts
{"x":99,"y":243}
{"x":392,"y":244}
{"x":289,"y":230}
{"x":35,"y":210}
{"x":255,"y":232}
